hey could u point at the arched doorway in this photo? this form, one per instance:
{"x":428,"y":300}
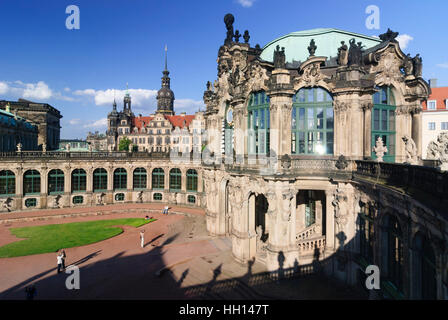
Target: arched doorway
{"x":261,"y":208}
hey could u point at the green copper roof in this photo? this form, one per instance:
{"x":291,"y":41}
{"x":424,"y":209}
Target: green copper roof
{"x":327,"y":41}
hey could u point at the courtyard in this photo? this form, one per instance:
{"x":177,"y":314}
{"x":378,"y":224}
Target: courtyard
{"x":179,"y":261}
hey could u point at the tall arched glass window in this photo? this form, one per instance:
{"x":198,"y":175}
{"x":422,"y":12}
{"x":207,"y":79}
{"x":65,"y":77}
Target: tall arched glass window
{"x":392,"y":250}
{"x":120,"y":179}
{"x":258,"y":123}
{"x":158,"y":178}
{"x":99,"y":180}
{"x":312,"y":122}
{"x":55,"y":181}
{"x":424,"y":275}
{"x":31,"y":182}
{"x":310,"y":208}
{"x":7,"y":183}
{"x":139,"y":179}
{"x":383,"y":121}
{"x":192,"y":180}
{"x":175,"y":179}
{"x":228,"y":131}
{"x":79,"y":180}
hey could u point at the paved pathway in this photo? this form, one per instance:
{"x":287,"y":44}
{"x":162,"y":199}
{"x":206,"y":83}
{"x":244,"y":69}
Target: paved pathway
{"x":179,"y":261}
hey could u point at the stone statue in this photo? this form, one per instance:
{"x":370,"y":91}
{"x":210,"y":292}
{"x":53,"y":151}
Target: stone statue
{"x":343,"y":54}
{"x":259,"y":232}
{"x":355,"y":53}
{"x":90,"y":148}
{"x":246,"y":36}
{"x":340,"y":208}
{"x":380,"y":149}
{"x":44,"y":147}
{"x":6,"y":204}
{"x":67,"y":147}
{"x":389,"y":35}
{"x":411,"y":150}
{"x":19,"y":147}
{"x":279,"y":58}
{"x":229,"y":19}
{"x":130,"y":147}
{"x":408,"y":66}
{"x":438,"y":150}
{"x":312,"y":48}
{"x":418,"y":65}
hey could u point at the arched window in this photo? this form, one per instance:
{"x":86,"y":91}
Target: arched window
{"x":366,"y":232}
{"x":79,"y":180}
{"x":258,"y":123}
{"x":175,"y":179}
{"x":392,"y":250}
{"x":99,"y":180}
{"x":7,"y":183}
{"x":139,"y":179}
{"x":158,"y":178}
{"x":383,"y":121}
{"x":312,"y":122}
{"x":425,"y":282}
{"x":228,"y":131}
{"x":31,"y":182}
{"x":55,"y":181}
{"x":192,"y":180}
{"x":120,"y":179}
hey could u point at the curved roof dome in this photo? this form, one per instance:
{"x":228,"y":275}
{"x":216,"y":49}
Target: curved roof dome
{"x":327,"y":41}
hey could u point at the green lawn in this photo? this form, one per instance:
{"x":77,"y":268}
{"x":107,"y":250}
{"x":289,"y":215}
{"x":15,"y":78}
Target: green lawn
{"x":50,"y":238}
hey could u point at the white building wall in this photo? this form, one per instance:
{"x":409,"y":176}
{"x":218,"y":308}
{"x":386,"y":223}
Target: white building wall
{"x":429,"y":135}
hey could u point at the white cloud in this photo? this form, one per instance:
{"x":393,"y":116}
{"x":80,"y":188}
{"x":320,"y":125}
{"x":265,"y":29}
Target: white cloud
{"x":4,"y":88}
{"x":139,"y":97}
{"x":188,"y":105}
{"x":74,"y":121}
{"x":404,"y":40}
{"x":441,"y":65}
{"x":98,"y":124}
{"x":67,"y":89}
{"x":246,"y":3}
{"x":39,"y":91}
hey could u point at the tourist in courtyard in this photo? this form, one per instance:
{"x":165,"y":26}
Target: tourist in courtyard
{"x":63,"y":258}
{"x":59,"y":259}
{"x":142,"y":238}
{"x":166,"y":209}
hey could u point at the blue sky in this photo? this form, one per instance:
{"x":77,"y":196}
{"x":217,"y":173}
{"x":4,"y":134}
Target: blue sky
{"x":122,"y":41}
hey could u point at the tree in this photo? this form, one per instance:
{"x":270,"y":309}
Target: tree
{"x":124,"y":144}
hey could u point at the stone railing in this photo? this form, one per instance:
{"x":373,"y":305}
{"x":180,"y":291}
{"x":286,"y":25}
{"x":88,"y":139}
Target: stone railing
{"x":308,"y":232}
{"x":310,"y":245}
{"x":33,"y":155}
{"x":407,"y":177}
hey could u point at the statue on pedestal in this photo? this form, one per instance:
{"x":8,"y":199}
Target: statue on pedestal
{"x":411,"y":150}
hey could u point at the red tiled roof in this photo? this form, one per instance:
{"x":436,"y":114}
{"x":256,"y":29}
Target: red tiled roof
{"x":439,"y":94}
{"x":178,"y":121}
{"x":138,"y":121}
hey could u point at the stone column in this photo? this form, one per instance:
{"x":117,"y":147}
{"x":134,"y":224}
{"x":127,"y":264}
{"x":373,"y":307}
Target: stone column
{"x":280,"y":112}
{"x":239,"y":127}
{"x":417,"y":128}
{"x":89,"y":180}
{"x":367,"y":122}
{"x":19,"y":188}
{"x":167,"y":179}
{"x":149,"y":178}
{"x":43,"y":187}
{"x":183,"y":181}
{"x":330,"y":223}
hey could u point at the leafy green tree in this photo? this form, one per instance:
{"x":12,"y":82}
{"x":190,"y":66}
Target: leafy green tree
{"x":124,"y":144}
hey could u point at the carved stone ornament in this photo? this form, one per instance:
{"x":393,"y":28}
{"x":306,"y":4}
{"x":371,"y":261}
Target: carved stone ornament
{"x":389,"y":35}
{"x":342,"y":162}
{"x":438,"y":150}
{"x":343,"y":54}
{"x":286,"y":162}
{"x":312,"y":74}
{"x":256,"y":76}
{"x":380,"y":149}
{"x":340,"y":208}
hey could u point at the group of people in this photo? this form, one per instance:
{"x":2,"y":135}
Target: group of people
{"x":61,"y":260}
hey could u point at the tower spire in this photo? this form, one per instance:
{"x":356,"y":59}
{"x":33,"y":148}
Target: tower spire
{"x":166,"y":57}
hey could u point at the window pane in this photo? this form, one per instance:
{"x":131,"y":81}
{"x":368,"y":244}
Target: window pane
{"x":384,"y":120}
{"x":330,"y":118}
{"x":310,"y":118}
{"x":320,"y":118}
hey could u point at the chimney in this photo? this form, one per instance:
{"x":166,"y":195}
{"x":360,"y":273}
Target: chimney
{"x":433,"y":83}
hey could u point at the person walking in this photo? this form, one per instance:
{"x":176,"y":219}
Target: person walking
{"x":166,"y":209}
{"x":63,"y":259}
{"x":142,"y":238}
{"x":59,"y":258}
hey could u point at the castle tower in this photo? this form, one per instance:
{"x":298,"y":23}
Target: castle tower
{"x":165,"y":96}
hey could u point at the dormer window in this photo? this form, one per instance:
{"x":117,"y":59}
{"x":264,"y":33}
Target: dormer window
{"x":123,"y":122}
{"x":432,"y":104}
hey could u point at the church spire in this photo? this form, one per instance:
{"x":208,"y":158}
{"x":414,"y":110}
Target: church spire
{"x":165,"y":96}
{"x":166,"y":57}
